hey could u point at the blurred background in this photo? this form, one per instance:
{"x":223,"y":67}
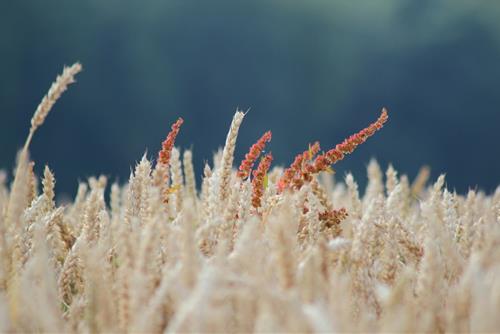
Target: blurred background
{"x":308,"y":70}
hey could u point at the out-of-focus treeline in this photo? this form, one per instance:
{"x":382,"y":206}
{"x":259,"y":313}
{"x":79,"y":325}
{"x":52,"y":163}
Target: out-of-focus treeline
{"x":308,"y":70}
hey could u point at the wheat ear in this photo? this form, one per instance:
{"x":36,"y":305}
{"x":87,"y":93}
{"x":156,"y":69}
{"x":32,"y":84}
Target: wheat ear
{"x":228,"y":154}
{"x":58,"y":87}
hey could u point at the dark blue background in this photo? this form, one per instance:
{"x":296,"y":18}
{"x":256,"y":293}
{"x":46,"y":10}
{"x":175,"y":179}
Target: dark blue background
{"x":309,"y":70}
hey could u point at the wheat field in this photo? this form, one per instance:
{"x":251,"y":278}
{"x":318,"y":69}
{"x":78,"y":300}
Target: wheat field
{"x":253,"y":248}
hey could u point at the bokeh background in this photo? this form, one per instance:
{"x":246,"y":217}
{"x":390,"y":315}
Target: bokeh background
{"x":308,"y":70}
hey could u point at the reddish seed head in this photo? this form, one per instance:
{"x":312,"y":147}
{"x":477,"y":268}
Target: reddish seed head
{"x":348,"y":146}
{"x":302,"y":170}
{"x":333,"y":217}
{"x":252,"y":155}
{"x":258,"y":180}
{"x":168,"y":144}
{"x":293,"y":174}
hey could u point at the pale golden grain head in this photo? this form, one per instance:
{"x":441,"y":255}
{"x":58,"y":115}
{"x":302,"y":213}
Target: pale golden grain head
{"x":58,"y":87}
{"x":226,"y":163}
